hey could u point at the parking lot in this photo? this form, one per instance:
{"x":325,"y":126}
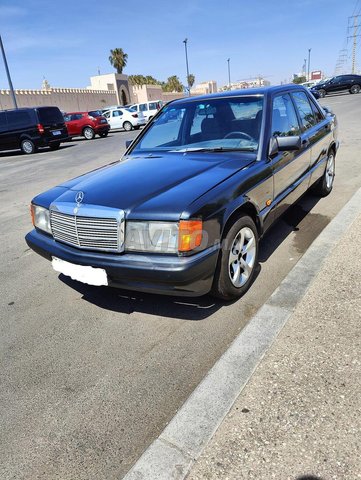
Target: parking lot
{"x":90,"y":376}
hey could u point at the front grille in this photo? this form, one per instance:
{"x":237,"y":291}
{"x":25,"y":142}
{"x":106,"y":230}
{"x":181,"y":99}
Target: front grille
{"x":92,"y":233}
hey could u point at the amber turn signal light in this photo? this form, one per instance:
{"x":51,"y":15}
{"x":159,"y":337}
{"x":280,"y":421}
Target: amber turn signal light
{"x":190,"y":235}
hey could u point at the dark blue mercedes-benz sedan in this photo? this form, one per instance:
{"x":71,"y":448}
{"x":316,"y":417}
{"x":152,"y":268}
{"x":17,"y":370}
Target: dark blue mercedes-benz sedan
{"x":183,"y":211}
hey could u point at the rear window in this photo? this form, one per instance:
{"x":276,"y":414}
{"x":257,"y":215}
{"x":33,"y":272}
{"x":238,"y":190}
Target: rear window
{"x":50,"y":115}
{"x":19,"y":118}
{"x":95,"y":113}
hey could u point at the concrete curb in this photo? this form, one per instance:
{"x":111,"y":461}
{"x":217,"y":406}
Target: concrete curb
{"x":172,"y":454}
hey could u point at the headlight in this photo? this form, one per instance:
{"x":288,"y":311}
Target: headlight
{"x":161,"y":237}
{"x":41,"y":218}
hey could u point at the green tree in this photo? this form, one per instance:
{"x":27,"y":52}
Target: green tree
{"x":118,"y":59}
{"x":143,"y":80}
{"x":298,"y":79}
{"x":173,"y":84}
{"x":191,"y":78}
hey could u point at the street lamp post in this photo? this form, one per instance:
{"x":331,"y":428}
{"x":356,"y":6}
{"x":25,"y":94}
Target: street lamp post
{"x":229,"y":73}
{"x":8,"y":73}
{"x":185,"y":41}
{"x":309,"y":62}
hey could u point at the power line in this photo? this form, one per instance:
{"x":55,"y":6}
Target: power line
{"x":353,"y":23}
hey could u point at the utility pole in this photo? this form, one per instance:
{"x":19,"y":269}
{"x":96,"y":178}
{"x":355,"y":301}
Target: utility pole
{"x":229,"y":73}
{"x":354,"y":37}
{"x":8,"y":73}
{"x":185,"y":41}
{"x":309,"y":63}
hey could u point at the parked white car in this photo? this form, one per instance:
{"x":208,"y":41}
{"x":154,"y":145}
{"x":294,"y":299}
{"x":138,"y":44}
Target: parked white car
{"x":124,"y":118}
{"x":149,"y":109}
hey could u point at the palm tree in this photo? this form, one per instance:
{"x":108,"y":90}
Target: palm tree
{"x":118,"y":59}
{"x":191,"y":78}
{"x":173,"y":84}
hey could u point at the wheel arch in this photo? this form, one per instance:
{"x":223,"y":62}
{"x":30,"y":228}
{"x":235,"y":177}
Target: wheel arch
{"x":246,"y":208}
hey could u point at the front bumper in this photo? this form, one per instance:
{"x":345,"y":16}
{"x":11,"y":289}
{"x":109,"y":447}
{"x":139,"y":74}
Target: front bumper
{"x":153,"y":273}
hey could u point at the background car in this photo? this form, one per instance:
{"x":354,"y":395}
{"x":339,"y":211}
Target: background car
{"x":340,"y":83}
{"x":124,"y":118}
{"x":87,"y":124}
{"x":149,"y":109}
{"x":30,"y":128}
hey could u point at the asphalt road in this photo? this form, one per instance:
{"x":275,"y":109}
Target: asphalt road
{"x":90,"y":376}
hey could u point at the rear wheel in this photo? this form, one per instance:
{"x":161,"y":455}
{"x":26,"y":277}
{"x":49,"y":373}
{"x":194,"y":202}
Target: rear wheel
{"x":322,"y":93}
{"x":355,"y":89}
{"x":54,"y":146}
{"x":27,"y":146}
{"x":127,"y":126}
{"x":237,"y":260}
{"x":88,"y":133}
{"x":324,"y":186}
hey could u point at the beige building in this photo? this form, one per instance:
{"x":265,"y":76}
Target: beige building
{"x":204,"y":88}
{"x":250,"y":83}
{"x":104,"y":91}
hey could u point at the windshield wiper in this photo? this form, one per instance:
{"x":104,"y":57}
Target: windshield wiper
{"x":215,"y":149}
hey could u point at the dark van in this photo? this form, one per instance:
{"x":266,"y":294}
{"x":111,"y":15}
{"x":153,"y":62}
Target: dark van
{"x":30,"y":128}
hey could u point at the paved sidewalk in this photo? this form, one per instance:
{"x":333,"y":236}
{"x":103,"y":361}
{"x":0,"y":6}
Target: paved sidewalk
{"x":299,"y":416}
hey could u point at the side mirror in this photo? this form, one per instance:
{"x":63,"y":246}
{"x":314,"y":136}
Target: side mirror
{"x":328,"y":110}
{"x":128,"y":143}
{"x":284,"y":144}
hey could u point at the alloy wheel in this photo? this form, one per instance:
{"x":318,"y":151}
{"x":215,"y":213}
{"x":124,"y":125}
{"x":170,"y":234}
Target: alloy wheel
{"x":242,"y":257}
{"x":330,"y":171}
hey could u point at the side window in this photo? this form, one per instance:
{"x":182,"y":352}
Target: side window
{"x":304,"y":109}
{"x":3,"y":122}
{"x":67,"y":117}
{"x":143,"y":107}
{"x":284,"y":118}
{"x":18,"y":119}
{"x":117,"y":113}
{"x":152,"y":106}
{"x":316,"y":112}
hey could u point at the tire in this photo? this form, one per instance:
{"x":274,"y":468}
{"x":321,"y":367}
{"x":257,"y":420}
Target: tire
{"x":355,"y":89}
{"x":232,"y":279}
{"x":325,"y":184}
{"x":127,"y":126}
{"x":103,"y":134}
{"x":27,"y":146}
{"x":54,"y":146}
{"x":88,"y":133}
{"x":322,"y":93}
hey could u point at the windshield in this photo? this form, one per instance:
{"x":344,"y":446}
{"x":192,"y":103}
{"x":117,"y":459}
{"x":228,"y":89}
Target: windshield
{"x":229,"y":123}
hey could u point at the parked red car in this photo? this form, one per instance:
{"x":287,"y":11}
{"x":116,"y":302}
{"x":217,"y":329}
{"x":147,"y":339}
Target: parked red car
{"x":86,"y":124}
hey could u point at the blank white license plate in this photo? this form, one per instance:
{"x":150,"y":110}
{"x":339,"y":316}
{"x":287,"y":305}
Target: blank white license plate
{"x":56,"y":132}
{"x":85,"y":274}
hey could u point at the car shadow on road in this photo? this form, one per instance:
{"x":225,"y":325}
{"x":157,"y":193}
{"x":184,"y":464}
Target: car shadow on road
{"x":291,"y":221}
{"x":18,"y":153}
{"x":123,"y":301}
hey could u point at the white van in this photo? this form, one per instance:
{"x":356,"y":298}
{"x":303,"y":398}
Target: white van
{"x":149,"y":109}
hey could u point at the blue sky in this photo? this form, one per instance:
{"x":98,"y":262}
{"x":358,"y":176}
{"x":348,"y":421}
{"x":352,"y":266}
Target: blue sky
{"x":66,"y":41}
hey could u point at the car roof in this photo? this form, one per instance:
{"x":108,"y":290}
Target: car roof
{"x":244,"y":92}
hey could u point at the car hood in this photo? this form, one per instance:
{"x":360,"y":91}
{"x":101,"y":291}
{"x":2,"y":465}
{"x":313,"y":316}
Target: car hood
{"x":163,"y":185}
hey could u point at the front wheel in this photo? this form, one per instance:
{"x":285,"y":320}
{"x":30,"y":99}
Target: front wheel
{"x":355,"y":89}
{"x":127,"y":126}
{"x":324,"y":185}
{"x":322,"y":93}
{"x":237,"y":260}
{"x":88,"y":133}
{"x":27,"y":146}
